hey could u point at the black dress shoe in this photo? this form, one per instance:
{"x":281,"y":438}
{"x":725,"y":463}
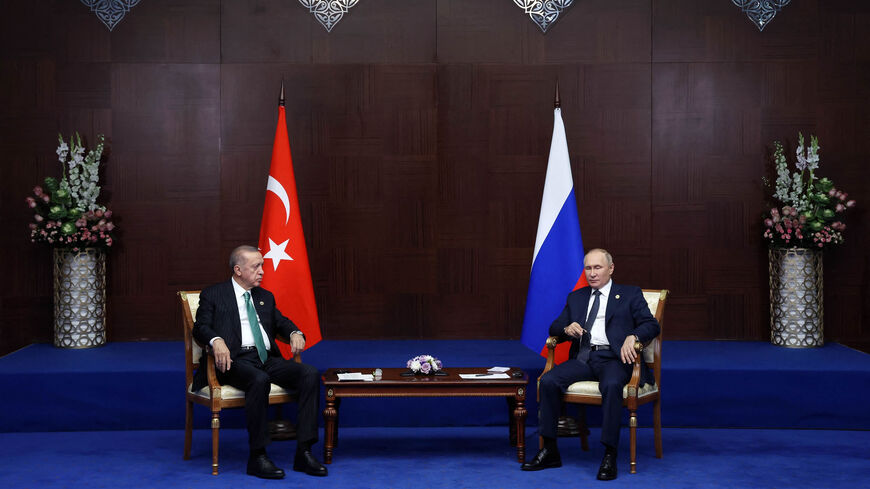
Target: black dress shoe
{"x":545,"y":459}
{"x":607,"y":471}
{"x":262,"y":467}
{"x":305,"y":462}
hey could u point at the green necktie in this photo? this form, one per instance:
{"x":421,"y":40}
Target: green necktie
{"x":255,"y":328}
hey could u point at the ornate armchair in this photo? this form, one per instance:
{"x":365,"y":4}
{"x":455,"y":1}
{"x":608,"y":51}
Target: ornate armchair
{"x":214,"y":395}
{"x":587,"y":393}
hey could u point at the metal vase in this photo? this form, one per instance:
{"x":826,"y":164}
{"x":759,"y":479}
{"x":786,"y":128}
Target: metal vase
{"x":79,"y":298}
{"x":796,"y":308}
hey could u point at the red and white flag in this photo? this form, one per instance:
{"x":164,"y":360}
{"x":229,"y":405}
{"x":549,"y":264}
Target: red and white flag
{"x":286,"y":272}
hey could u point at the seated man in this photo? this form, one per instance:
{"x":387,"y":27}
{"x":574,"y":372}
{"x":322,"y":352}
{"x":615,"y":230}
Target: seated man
{"x":240,"y":322}
{"x":603,"y":320}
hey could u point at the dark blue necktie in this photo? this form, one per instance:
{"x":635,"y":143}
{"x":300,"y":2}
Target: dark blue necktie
{"x":590,"y":320}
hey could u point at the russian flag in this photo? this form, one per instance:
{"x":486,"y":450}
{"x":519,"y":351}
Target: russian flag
{"x":557,"y":264}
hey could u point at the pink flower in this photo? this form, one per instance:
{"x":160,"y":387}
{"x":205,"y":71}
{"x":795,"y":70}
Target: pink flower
{"x":37,"y":190}
{"x":768,"y":222}
{"x":31,"y":202}
{"x":46,"y":198}
{"x":832,"y":192}
{"x":774,"y":212}
{"x":108,"y":241}
{"x":32,"y":225}
{"x":851,"y":203}
{"x":98,"y":213}
{"x":38,"y":218}
{"x":840,"y":208}
{"x":110,"y":226}
{"x":107,"y":214}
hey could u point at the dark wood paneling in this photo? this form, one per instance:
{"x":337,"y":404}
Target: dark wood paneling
{"x":420,"y":131}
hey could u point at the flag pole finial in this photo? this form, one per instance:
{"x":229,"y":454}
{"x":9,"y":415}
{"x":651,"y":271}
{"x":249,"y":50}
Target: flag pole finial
{"x":557,"y":103}
{"x":281,"y":98}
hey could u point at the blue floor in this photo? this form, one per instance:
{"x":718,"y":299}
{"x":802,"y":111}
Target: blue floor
{"x":112,"y":417}
{"x":710,"y":384}
{"x":442,"y":458}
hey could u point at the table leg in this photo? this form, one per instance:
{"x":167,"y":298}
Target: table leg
{"x":330,"y":413}
{"x":520,"y":417}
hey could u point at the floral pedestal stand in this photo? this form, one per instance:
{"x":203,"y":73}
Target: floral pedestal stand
{"x":79,"y":298}
{"x":796,"y":308}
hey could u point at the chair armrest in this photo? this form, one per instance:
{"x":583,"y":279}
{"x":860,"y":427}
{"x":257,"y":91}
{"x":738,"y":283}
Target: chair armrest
{"x":552,"y":341}
{"x":634,"y":382}
{"x":211,"y":373}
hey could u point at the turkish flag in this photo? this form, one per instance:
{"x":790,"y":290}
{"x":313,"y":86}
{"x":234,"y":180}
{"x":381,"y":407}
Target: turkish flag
{"x":286,"y":272}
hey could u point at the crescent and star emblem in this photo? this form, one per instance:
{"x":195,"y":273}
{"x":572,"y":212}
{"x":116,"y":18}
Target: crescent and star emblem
{"x":278,"y":252}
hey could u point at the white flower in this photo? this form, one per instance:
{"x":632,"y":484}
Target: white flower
{"x":415,"y":366}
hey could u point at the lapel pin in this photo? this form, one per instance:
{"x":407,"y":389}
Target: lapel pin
{"x":261,"y":303}
{"x":616,"y":296}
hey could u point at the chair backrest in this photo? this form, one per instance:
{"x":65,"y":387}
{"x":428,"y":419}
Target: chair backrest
{"x":192,"y":351}
{"x":652,"y":354}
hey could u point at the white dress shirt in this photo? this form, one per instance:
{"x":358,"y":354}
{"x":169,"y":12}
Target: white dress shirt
{"x":597,"y":329}
{"x":247,"y":335}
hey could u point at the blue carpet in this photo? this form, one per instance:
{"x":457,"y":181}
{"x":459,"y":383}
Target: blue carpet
{"x":133,"y":386}
{"x":440,"y":458}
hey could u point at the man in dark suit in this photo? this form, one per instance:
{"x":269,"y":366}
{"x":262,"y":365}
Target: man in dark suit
{"x":239,"y":321}
{"x":603,"y":321}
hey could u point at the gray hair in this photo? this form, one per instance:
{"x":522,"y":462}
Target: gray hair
{"x":238,"y":253}
{"x":601,"y":250}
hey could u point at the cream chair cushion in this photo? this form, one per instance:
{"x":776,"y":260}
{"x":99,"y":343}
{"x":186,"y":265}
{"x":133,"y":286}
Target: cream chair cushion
{"x":193,"y":305}
{"x":590,"y":388}
{"x":230,"y":392}
{"x":652,"y":301}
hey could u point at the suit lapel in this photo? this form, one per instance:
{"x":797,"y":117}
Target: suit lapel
{"x":262,"y":311}
{"x":230,"y":296}
{"x":612,"y":304}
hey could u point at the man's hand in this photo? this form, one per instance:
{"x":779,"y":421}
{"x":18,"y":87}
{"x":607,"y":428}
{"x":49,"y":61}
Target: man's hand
{"x":574,"y":330}
{"x":297,"y":343}
{"x":221,"y":355}
{"x":627,"y":351}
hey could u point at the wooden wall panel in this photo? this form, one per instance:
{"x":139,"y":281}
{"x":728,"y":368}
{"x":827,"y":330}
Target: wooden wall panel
{"x":420,"y":131}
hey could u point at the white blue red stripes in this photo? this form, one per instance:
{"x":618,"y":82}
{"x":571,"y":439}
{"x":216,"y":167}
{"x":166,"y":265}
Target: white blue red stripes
{"x":557,"y":264}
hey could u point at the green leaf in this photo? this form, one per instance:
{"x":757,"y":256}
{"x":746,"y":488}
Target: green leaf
{"x":57,"y":211}
{"x":51,"y":185}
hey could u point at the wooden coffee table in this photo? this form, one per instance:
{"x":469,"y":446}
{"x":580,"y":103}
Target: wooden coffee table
{"x":392,"y":384}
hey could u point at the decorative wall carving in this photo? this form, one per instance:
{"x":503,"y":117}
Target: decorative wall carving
{"x":761,"y":12}
{"x":328,"y":12}
{"x":110,"y":11}
{"x":544,"y":13}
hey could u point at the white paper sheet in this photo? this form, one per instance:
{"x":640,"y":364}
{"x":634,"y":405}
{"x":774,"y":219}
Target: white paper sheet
{"x":484,"y":376}
{"x":356,"y":376}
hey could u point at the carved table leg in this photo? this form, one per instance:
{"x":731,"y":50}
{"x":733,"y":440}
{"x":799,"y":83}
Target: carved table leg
{"x":520,"y":416}
{"x":330,"y":414}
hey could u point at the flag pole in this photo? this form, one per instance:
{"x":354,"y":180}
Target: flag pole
{"x":281,"y":97}
{"x":556,"y":103}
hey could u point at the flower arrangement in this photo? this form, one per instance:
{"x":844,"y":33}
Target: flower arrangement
{"x":424,"y":364}
{"x":67,"y":213}
{"x":810,"y":210}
